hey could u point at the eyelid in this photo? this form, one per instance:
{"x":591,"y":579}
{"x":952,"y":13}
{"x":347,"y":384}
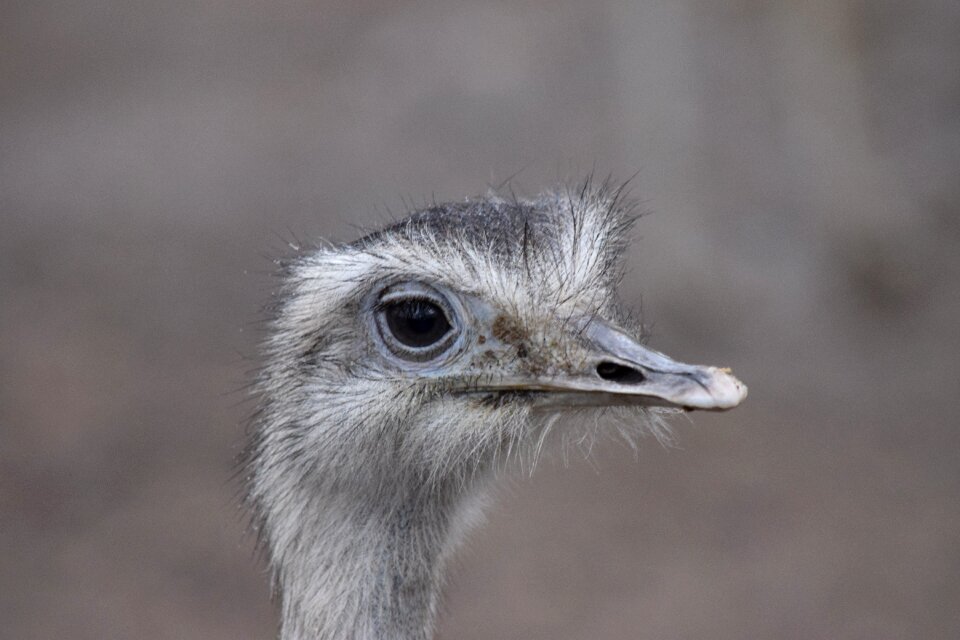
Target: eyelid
{"x":409,"y":294}
{"x":417,"y":293}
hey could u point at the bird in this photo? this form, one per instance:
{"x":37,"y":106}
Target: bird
{"x":403,"y":371}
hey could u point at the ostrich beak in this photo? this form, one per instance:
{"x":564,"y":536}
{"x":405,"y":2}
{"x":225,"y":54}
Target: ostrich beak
{"x":618,"y":370}
{"x":623,"y":371}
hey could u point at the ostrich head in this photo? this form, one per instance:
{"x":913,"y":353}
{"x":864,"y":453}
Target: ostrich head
{"x":402,"y":368}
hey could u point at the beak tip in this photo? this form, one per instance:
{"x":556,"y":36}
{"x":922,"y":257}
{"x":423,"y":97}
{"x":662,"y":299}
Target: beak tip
{"x":719,"y":391}
{"x":726,"y":390}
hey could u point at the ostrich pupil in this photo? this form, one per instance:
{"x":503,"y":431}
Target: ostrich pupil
{"x":417,"y":323}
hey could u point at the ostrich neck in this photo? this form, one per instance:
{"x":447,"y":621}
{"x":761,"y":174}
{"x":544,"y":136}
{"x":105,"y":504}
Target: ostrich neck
{"x":362,"y":567}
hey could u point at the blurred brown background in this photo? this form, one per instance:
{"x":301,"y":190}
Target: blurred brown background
{"x":801,"y":163}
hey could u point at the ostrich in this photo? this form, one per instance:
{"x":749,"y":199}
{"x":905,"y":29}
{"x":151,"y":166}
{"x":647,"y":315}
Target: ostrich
{"x":402,"y":370}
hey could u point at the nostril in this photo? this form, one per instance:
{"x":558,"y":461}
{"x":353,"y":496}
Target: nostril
{"x":619,"y":373}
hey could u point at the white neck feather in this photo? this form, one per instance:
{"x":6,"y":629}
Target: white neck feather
{"x":365,"y":567}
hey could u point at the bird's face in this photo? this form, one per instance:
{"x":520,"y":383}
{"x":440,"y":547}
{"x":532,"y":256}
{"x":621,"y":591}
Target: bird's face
{"x":479,"y":348}
{"x":436,"y":349}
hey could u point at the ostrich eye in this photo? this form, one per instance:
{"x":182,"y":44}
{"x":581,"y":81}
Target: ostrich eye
{"x":416,"y":323}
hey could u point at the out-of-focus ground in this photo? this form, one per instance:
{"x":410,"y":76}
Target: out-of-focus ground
{"x":800,"y":161}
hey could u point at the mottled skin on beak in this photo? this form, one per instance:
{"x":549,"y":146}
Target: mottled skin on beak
{"x":587,"y":360}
